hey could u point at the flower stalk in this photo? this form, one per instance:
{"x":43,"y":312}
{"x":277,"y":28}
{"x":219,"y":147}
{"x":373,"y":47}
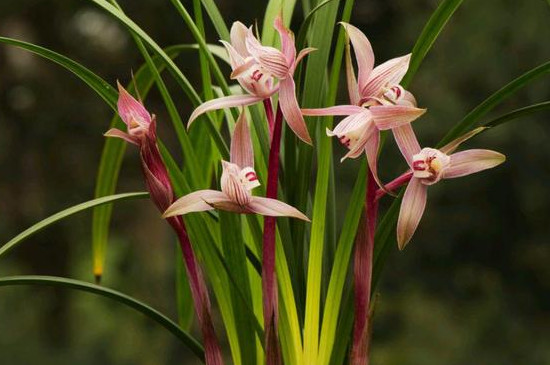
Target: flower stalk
{"x":362,"y":271}
{"x":269,"y":276}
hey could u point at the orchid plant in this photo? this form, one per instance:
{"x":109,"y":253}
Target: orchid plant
{"x":244,"y":245}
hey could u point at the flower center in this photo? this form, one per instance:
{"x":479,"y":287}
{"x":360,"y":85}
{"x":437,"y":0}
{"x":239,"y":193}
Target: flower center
{"x":236,"y":183}
{"x":429,"y":165}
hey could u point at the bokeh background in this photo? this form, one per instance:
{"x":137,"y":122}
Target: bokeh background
{"x":472,"y":287}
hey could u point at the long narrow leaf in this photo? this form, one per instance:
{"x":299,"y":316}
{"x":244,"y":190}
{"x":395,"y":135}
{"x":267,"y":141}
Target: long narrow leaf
{"x":14,"y":242}
{"x":190,"y":342}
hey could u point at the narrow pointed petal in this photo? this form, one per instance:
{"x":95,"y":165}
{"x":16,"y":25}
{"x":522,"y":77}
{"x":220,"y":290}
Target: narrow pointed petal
{"x":194,"y":202}
{"x":221,"y":103}
{"x":334,"y":110}
{"x":387,"y":74}
{"x":371,"y":149}
{"x":407,"y":142}
{"x":412,"y":208}
{"x":363,"y":53}
{"x":235,"y":58}
{"x":238,"y":36}
{"x":117,"y":133}
{"x":453,"y":145}
{"x":351,"y":123}
{"x":271,"y":59}
{"x":353,"y":88}
{"x":274,"y":208}
{"x":291,"y":109}
{"x":160,"y":194}
{"x":470,"y":161}
{"x":241,"y":144}
{"x":130,"y":110}
{"x":287,"y":40}
{"x":391,"y":116}
{"x":304,"y":52}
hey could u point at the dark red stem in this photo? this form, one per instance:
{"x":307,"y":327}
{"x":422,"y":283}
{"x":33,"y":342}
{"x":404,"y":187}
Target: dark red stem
{"x":269,"y":278}
{"x":394,"y":184}
{"x":199,"y":292}
{"x":362,"y":270}
{"x":269,"y":114}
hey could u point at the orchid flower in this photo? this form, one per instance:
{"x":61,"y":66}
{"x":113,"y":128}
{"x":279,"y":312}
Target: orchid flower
{"x":141,"y":127}
{"x":237,"y":180}
{"x":256,"y":68}
{"x":378,"y":102}
{"x":429,"y":166}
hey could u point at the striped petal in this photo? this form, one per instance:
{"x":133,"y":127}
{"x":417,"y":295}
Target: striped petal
{"x":117,"y":133}
{"x":221,"y":103}
{"x":392,"y":116}
{"x":351,"y":123}
{"x":274,"y":208}
{"x":334,"y":110}
{"x":407,"y":142}
{"x":241,"y":144}
{"x":470,"y":161}
{"x":271,"y":59}
{"x":132,"y":112}
{"x":291,"y":109}
{"x":194,"y":202}
{"x":287,"y":40}
{"x":353,"y":88}
{"x":387,"y":74}
{"x":363,"y":53}
{"x":235,"y":58}
{"x":412,"y":209}
{"x":238,"y":37}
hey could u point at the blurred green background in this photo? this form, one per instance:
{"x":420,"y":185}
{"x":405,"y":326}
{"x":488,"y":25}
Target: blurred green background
{"x":472,"y":287}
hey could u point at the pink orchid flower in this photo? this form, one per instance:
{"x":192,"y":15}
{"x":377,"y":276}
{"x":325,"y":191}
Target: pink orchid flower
{"x":378,"y":101}
{"x":237,"y":180}
{"x":430,"y":165}
{"x":256,"y":68}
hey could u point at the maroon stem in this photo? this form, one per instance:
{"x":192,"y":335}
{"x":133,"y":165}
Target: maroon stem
{"x":394,"y":184}
{"x":269,"y":113}
{"x":269,"y":278}
{"x":199,"y":293}
{"x":364,"y":249}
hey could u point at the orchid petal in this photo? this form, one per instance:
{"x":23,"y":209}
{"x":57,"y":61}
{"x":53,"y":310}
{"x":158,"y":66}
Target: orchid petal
{"x":221,"y":103}
{"x":407,"y":142}
{"x":287,"y":40}
{"x":387,"y":74}
{"x":351,"y":123}
{"x":160,"y":193}
{"x":241,"y":144}
{"x":235,"y":58}
{"x":412,"y":208}
{"x":392,"y":116}
{"x":271,"y":59}
{"x":117,"y":133}
{"x":353,"y":88}
{"x":194,"y":202}
{"x":453,"y":145}
{"x":274,"y":208}
{"x":238,"y":36}
{"x":291,"y":109}
{"x":470,"y":161}
{"x":371,"y":149}
{"x":304,"y":52}
{"x":363,"y":53}
{"x":246,"y":65}
{"x":130,"y":110}
{"x":334,"y":110}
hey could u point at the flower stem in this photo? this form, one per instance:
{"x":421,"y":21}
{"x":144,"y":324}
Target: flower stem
{"x":269,"y":278}
{"x":199,"y":293}
{"x":364,"y":249}
{"x":269,"y":113}
{"x":394,"y":184}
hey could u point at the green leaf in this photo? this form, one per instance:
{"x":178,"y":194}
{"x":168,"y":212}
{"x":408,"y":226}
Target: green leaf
{"x":304,"y":28}
{"x":189,"y":342}
{"x":340,"y":269}
{"x":274,"y":8}
{"x":100,"y":86}
{"x":518,"y":113}
{"x":431,"y":31}
{"x":492,"y":101}
{"x":184,"y":299}
{"x":216,"y":18}
{"x":14,"y":242}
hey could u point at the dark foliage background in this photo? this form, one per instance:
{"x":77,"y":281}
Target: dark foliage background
{"x":472,"y":287}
